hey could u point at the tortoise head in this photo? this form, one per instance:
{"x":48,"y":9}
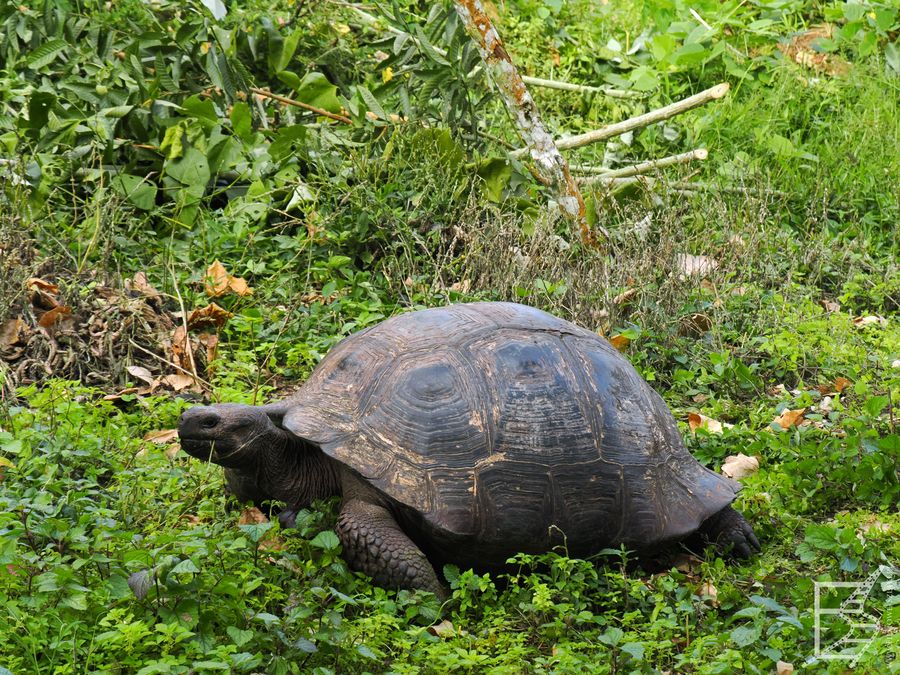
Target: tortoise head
{"x":231,"y":435}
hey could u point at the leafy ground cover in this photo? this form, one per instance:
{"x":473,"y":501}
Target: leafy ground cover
{"x":764,"y":308}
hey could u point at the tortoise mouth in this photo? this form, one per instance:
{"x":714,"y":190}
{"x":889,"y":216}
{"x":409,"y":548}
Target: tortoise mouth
{"x":200,"y":449}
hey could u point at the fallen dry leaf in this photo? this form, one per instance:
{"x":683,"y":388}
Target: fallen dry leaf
{"x":139,"y":391}
{"x":178,"y":381}
{"x":801,"y":50}
{"x":740,"y":465}
{"x":140,"y":373}
{"x":789,"y":418}
{"x":444,"y":629}
{"x":784,"y":668}
{"x":180,"y":348}
{"x":252,"y":516}
{"x":694,"y":325}
{"x":873,"y":524}
{"x":826,"y":404}
{"x":13,"y":337}
{"x":51,"y":316}
{"x":830,"y":305}
{"x":841,"y":383}
{"x":700,"y":398}
{"x":162,"y":436}
{"x":625,"y":296}
{"x":210,"y":342}
{"x":40,"y":284}
{"x":709,"y":592}
{"x":211,"y":316}
{"x":620,"y":342}
{"x":695,"y":265}
{"x":863,"y":321}
{"x":218,"y":282}
{"x":698,"y":421}
{"x":895,"y":363}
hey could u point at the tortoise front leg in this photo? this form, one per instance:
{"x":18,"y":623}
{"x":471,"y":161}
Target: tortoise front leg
{"x":374,"y":544}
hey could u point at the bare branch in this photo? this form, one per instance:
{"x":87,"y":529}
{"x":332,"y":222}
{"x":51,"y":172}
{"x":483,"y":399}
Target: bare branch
{"x":638,"y":122}
{"x":604,"y":174}
{"x":301,"y":104}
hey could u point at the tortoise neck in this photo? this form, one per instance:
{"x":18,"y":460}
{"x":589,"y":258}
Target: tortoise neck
{"x":298,"y":473}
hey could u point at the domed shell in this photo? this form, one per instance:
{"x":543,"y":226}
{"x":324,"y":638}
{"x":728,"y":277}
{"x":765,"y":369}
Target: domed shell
{"x":497,"y":420}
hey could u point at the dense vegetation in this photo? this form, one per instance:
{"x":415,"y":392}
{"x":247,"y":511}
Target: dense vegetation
{"x":134,"y":156}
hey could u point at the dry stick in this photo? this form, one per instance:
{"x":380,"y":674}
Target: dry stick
{"x":370,"y":20}
{"x":300,"y":104}
{"x":580,"y":88}
{"x":638,"y":122}
{"x":546,"y":157}
{"x":606,"y":174}
{"x":682,"y":187}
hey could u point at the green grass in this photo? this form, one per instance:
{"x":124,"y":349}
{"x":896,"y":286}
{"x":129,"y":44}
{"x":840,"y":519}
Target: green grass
{"x":117,"y":557}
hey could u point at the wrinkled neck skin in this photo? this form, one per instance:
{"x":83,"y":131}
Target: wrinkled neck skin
{"x":287,"y":470}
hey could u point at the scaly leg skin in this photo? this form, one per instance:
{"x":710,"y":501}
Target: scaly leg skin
{"x":728,"y":530}
{"x":374,"y":544}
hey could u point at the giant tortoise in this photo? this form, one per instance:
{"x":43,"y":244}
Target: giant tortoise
{"x":469,"y":433}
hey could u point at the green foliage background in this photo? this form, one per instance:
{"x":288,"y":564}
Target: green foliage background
{"x":131,"y":142}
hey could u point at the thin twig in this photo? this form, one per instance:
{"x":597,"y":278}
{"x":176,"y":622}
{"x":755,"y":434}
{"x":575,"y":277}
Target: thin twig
{"x":637,"y":169}
{"x":301,"y":104}
{"x":169,"y":363}
{"x":638,"y":122}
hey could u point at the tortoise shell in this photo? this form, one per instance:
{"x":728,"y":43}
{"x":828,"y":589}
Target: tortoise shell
{"x":499,"y":422}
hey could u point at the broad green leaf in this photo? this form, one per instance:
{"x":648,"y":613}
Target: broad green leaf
{"x":202,"y":109}
{"x":46,"y":53}
{"x":288,"y":48}
{"x":242,"y":121}
{"x":316,"y":90}
{"x":136,"y":189}
{"x":191,"y":170}
{"x":216,"y":8}
{"x":238,"y":636}
{"x":744,"y":636}
{"x":140,"y":583}
{"x":428,"y":48}
{"x":285,"y":138}
{"x":495,"y":172}
{"x":371,"y":102}
{"x":326,"y":539}
{"x":186,"y":566}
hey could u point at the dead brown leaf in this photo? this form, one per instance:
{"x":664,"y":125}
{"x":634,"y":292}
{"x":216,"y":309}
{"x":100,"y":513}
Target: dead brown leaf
{"x":162,"y":436}
{"x":620,"y":342}
{"x":872,"y":320}
{"x":211,"y":316}
{"x":177,"y":381}
{"x":41,"y":285}
{"x":139,"y":284}
{"x":789,"y":418}
{"x":444,"y":629}
{"x":625,"y":296}
{"x":740,"y":465}
{"x":140,"y":373}
{"x":709,"y":592}
{"x":252,"y":516}
{"x":830,"y":305}
{"x":218,"y":282}
{"x":180,"y":348}
{"x":698,"y":421}
{"x":802,"y":50}
{"x":138,"y":391}
{"x":695,"y":265}
{"x":784,"y":668}
{"x":13,"y":338}
{"x":694,"y":325}
{"x":841,"y":383}
{"x":51,"y":316}
{"x":210,"y":341}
